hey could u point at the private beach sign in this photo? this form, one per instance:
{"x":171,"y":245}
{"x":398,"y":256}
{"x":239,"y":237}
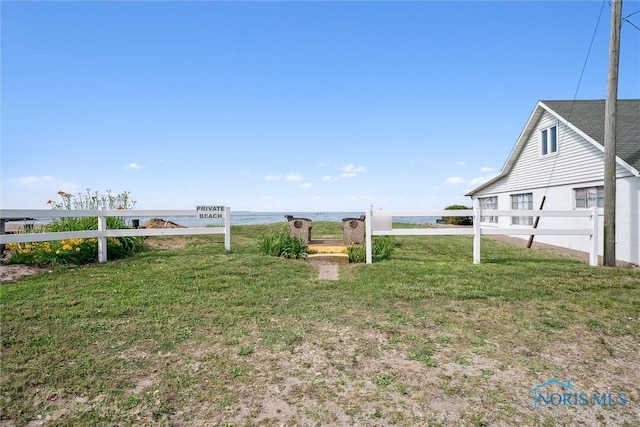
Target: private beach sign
{"x":217,"y":212}
{"x":210,"y":212}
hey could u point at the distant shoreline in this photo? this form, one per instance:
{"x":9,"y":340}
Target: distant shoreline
{"x":248,"y":218}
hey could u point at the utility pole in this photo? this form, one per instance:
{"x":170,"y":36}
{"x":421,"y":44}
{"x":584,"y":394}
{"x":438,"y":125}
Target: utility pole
{"x":610,"y":114}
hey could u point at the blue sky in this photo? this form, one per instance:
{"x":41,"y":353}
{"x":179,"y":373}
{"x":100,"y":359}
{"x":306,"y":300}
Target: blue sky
{"x":287,"y":106}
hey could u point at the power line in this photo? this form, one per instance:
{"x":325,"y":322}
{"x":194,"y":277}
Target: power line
{"x":634,"y":25}
{"x":568,"y":120}
{"x":575,"y":95}
{"x":626,"y":19}
{"x":631,"y":14}
{"x":584,"y":67}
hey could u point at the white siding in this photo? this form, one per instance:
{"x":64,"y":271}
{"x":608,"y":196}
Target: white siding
{"x":628,"y":219}
{"x":561,"y":197}
{"x":577,"y":160}
{"x":578,"y":163}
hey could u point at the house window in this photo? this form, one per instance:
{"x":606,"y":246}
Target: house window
{"x":525,"y":202}
{"x":488,"y":203}
{"x":589,"y":197}
{"x":549,"y":140}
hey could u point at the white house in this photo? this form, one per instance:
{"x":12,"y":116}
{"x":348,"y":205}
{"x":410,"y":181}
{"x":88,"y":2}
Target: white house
{"x":559,"y":156}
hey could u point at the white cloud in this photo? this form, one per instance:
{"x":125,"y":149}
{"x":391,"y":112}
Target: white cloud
{"x":267,"y":198}
{"x":133,"y":166}
{"x":454,"y":180}
{"x":461,"y":163}
{"x":305,"y":185}
{"x":348,"y":171}
{"x":478,"y":181}
{"x":321,"y":165}
{"x":353,"y":169}
{"x":347,"y":175}
{"x":489,"y":173}
{"x":292,"y":177}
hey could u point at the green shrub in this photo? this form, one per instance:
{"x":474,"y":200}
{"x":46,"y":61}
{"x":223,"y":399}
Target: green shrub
{"x":357,"y":253}
{"x":79,"y":251}
{"x":458,"y":220}
{"x":381,"y":248}
{"x":69,"y":251}
{"x":281,"y":244}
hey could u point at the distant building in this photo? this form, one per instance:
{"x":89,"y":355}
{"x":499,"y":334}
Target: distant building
{"x":560,"y":154}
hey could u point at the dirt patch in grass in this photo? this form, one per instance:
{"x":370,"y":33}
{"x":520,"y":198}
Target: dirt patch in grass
{"x":167,"y":243}
{"x":12,"y":272}
{"x":347,"y":376}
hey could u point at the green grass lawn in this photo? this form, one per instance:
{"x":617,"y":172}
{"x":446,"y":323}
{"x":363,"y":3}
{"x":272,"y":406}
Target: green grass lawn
{"x":186,"y":334}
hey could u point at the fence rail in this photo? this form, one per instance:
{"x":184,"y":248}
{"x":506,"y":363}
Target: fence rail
{"x":379,"y":223}
{"x":102,"y":233}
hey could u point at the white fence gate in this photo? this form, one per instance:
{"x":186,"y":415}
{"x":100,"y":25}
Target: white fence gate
{"x":379,"y":223}
{"x":102,"y":233}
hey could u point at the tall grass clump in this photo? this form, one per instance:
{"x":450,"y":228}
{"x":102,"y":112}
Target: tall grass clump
{"x":282,"y":244}
{"x":381,"y":248}
{"x":79,"y":251}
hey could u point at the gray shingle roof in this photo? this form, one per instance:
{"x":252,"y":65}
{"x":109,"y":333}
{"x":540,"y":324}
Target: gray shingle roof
{"x":588,"y":116}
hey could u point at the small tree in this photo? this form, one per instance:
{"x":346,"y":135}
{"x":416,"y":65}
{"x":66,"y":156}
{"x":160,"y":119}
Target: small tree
{"x":458,"y":220}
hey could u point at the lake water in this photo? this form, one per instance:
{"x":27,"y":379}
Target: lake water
{"x":252,"y":218}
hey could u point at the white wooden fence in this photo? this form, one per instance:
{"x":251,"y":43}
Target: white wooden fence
{"x":379,"y":223}
{"x":102,"y":233}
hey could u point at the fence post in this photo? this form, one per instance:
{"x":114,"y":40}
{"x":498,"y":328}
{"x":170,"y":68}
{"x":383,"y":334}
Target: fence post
{"x":102,"y":240}
{"x":595,"y":238}
{"x":227,"y":228}
{"x":477,"y":216}
{"x":367,"y":226}
{"x":2,"y":231}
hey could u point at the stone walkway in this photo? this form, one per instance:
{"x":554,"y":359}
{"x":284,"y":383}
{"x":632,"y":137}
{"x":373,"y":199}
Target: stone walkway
{"x":326,"y":255}
{"x":326,"y":270}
